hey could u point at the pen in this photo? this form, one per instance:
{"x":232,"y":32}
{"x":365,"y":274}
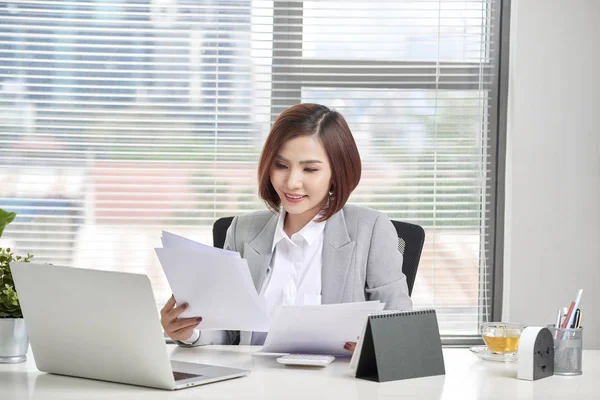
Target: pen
{"x":575,"y":307}
{"x":576,"y":319}
{"x":565,"y":310}
{"x":558,"y":318}
{"x":565,"y":323}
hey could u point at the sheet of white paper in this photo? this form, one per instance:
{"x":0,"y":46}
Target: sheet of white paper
{"x":217,"y":288}
{"x":171,"y":240}
{"x":358,"y":349}
{"x":322,"y":329}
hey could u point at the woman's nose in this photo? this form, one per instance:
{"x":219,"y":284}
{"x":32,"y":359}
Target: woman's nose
{"x":294,"y":180}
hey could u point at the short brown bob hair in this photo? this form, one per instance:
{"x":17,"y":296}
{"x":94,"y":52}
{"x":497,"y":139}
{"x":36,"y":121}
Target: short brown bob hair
{"x":332,"y":130}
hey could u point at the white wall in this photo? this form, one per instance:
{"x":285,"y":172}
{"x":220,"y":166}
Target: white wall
{"x":553,"y":163}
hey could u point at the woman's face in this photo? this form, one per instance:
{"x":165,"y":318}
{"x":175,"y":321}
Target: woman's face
{"x":301,"y":176}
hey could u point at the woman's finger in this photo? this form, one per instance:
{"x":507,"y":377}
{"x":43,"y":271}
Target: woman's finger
{"x":184,"y":323}
{"x":176,"y":312}
{"x":168,"y":306}
{"x":350,"y":346}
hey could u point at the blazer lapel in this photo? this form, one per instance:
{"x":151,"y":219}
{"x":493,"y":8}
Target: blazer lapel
{"x":258,"y":252}
{"x":338,"y":249}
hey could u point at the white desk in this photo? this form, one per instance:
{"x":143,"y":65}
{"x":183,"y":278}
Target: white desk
{"x":466,"y":378}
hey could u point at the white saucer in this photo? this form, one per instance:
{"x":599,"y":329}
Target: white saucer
{"x":483,"y":353}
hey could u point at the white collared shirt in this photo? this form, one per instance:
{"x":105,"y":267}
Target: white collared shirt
{"x":295,"y":270}
{"x":293,"y":277}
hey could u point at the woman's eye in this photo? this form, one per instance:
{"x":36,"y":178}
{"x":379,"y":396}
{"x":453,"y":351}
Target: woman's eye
{"x":310,"y":169}
{"x":280,"y":166}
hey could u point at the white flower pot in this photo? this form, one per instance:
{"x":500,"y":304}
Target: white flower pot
{"x":14,"y":341}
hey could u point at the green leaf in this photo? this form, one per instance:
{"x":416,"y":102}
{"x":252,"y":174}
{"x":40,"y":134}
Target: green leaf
{"x":5,"y":219}
{"x":9,"y":300}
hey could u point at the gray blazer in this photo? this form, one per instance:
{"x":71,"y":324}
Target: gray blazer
{"x":361,"y":260}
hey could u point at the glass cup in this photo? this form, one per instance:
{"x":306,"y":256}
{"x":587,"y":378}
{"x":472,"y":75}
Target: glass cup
{"x":501,"y":337}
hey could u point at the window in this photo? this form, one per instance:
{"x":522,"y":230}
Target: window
{"x":122,"y":118}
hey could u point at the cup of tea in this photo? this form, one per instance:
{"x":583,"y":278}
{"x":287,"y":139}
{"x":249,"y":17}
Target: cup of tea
{"x":501,"y":337}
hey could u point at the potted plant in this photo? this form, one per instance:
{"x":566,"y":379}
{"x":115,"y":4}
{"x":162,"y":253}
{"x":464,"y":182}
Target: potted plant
{"x":14,"y":341}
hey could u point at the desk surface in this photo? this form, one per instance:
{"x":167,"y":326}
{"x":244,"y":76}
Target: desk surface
{"x":466,"y":378}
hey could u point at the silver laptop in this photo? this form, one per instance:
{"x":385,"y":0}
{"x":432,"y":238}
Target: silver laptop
{"x":102,"y":325}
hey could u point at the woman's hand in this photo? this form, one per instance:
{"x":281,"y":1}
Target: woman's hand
{"x":350,"y":346}
{"x":177,"y":328}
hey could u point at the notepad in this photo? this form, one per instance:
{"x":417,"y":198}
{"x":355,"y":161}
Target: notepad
{"x":398,"y":345}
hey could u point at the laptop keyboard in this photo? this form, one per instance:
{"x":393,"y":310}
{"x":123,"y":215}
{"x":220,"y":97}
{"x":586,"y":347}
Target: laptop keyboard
{"x":179,"y":376}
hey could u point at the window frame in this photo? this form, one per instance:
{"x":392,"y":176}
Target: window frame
{"x":287,"y":83}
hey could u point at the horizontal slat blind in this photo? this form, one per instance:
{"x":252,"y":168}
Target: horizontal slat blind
{"x":120,"y":118}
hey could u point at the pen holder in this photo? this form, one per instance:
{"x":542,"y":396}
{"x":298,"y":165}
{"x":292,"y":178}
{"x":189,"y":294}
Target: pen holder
{"x":567,"y":350}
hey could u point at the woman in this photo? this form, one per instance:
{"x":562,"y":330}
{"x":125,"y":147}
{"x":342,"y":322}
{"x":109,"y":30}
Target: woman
{"x":310,"y":248}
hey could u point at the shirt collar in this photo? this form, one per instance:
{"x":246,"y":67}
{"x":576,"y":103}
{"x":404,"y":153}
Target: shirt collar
{"x":309,"y":232}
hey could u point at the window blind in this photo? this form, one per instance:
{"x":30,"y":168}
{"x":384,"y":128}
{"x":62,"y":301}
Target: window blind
{"x":122,"y":118}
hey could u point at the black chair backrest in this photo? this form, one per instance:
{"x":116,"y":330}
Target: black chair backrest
{"x":220,"y":231}
{"x":410,"y":243}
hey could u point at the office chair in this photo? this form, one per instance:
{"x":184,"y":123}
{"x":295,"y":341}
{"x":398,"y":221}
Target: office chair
{"x":410,"y":243}
{"x":220,"y":231}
